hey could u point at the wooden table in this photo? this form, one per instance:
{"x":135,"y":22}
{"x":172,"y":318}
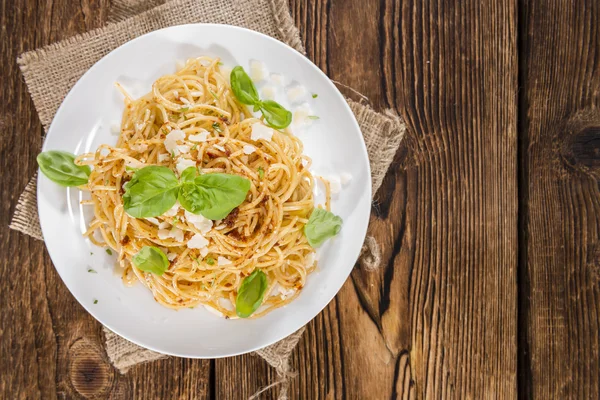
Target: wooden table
{"x":489,"y":219}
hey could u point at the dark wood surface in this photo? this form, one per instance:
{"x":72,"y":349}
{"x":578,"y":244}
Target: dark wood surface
{"x":489,"y":218}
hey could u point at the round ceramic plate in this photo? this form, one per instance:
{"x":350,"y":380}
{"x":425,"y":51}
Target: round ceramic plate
{"x":84,"y":121}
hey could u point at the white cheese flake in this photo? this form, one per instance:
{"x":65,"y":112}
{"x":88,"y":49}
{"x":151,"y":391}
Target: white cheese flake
{"x":196,"y":93}
{"x":153,"y":220}
{"x":173,"y":210}
{"x":268,"y":92}
{"x":183,"y":164}
{"x":140,"y":148}
{"x":258,"y":71}
{"x":200,"y":222}
{"x":183,"y":148}
{"x":221,"y":148}
{"x":260,"y":131}
{"x":223,"y":261}
{"x":199,"y":137}
{"x":295,"y":93}
{"x":171,"y":256}
{"x":164,"y":225}
{"x":345,"y":177}
{"x":248,"y":149}
{"x":335,"y":183}
{"x":301,"y":115}
{"x":185,"y":101}
{"x":172,"y":138}
{"x":204,"y":251}
{"x":198,"y":241}
{"x":173,"y":232}
{"x":115,"y":129}
{"x":277,"y":79}
{"x":163,"y":157}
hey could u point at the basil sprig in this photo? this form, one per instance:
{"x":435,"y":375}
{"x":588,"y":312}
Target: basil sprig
{"x":154,"y":190}
{"x":151,"y":259}
{"x":276,"y":116}
{"x":251,"y":293}
{"x":212,"y":195}
{"x":59,"y":167}
{"x":321,"y":226}
{"x":151,"y":191}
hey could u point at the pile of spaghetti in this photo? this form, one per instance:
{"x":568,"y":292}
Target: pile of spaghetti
{"x":264,"y":232}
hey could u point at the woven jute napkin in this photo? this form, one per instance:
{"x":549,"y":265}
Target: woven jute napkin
{"x":52,"y":71}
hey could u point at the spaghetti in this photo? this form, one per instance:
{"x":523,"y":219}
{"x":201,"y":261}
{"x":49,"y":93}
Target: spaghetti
{"x":265,"y":232}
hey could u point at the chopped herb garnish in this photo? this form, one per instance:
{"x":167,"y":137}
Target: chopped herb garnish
{"x":194,"y":146}
{"x":314,"y":96}
{"x":210,"y":261}
{"x":173,"y":153}
{"x":312,"y":117}
{"x":128,"y":168}
{"x":219,"y":63}
{"x":184,"y":109}
{"x":175,"y":221}
{"x":92,"y":271}
{"x":261,"y":172}
{"x":165,"y":130}
{"x":91,"y":254}
{"x":217,"y":127}
{"x":109,"y":252}
{"x":214,"y":94}
{"x":95,"y":301}
{"x":106,"y":182}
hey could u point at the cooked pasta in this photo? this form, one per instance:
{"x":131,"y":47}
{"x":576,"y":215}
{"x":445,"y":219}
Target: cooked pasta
{"x":192,"y":119}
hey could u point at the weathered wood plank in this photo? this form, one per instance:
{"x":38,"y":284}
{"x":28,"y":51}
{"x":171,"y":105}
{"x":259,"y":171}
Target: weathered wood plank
{"x":560,"y":153}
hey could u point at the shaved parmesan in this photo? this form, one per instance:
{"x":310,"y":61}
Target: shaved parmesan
{"x":171,"y":140}
{"x":258,"y":70}
{"x":197,"y":242}
{"x":223,"y":261}
{"x":173,"y":210}
{"x":163,"y":157}
{"x":200,"y":222}
{"x":260,"y":131}
{"x":295,"y":93}
{"x":249,"y":149}
{"x":221,"y":148}
{"x":204,"y":251}
{"x":153,"y":220}
{"x":171,"y":256}
{"x":268,"y":92}
{"x":277,"y":79}
{"x":183,"y":164}
{"x":200,"y":137}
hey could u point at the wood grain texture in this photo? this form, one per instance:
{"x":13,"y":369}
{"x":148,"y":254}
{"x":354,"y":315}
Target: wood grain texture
{"x":49,"y":346}
{"x":446,"y":215}
{"x":560,"y":157}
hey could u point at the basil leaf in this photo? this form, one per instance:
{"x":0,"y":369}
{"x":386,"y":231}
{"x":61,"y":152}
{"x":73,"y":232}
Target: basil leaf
{"x":188,"y":174}
{"x":151,"y":259}
{"x":59,"y":167}
{"x":276,"y":116}
{"x":242,"y":86}
{"x":321,"y":226}
{"x":150,"y":192}
{"x":214,"y":195}
{"x":251,"y":293}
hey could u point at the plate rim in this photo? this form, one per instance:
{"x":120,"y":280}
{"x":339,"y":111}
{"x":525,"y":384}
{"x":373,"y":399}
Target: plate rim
{"x":365,"y":223}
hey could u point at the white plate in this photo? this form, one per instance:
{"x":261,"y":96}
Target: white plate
{"x":84,"y":121}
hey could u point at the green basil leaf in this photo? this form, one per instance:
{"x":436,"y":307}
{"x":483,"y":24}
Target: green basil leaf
{"x":59,"y":167}
{"x":150,"y":192}
{"x":242,"y":86}
{"x":151,"y":259}
{"x":214,"y":195}
{"x":276,"y":116}
{"x":188,"y":174}
{"x":321,"y":226}
{"x":251,"y":293}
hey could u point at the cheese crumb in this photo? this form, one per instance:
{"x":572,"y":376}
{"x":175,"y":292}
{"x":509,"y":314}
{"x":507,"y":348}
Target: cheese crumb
{"x":173,"y":210}
{"x":204,"y":251}
{"x":249,"y":149}
{"x":183,"y":164}
{"x":200,"y":137}
{"x":260,"y":131}
{"x":163,"y":157}
{"x":216,"y":146}
{"x":115,"y":129}
{"x":200,"y":222}
{"x":345,"y":177}
{"x":174,"y":233}
{"x":171,"y":256}
{"x":277,"y":79}
{"x":198,"y":241}
{"x":183,"y":148}
{"x":172,"y":138}
{"x":140,"y":148}
{"x":258,"y":70}
{"x":153,"y":220}
{"x":223,"y":261}
{"x":295,"y":93}
{"x":301,"y":114}
{"x":268,"y":92}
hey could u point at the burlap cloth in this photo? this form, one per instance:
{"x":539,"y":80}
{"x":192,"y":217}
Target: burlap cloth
{"x":50,"y":73}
